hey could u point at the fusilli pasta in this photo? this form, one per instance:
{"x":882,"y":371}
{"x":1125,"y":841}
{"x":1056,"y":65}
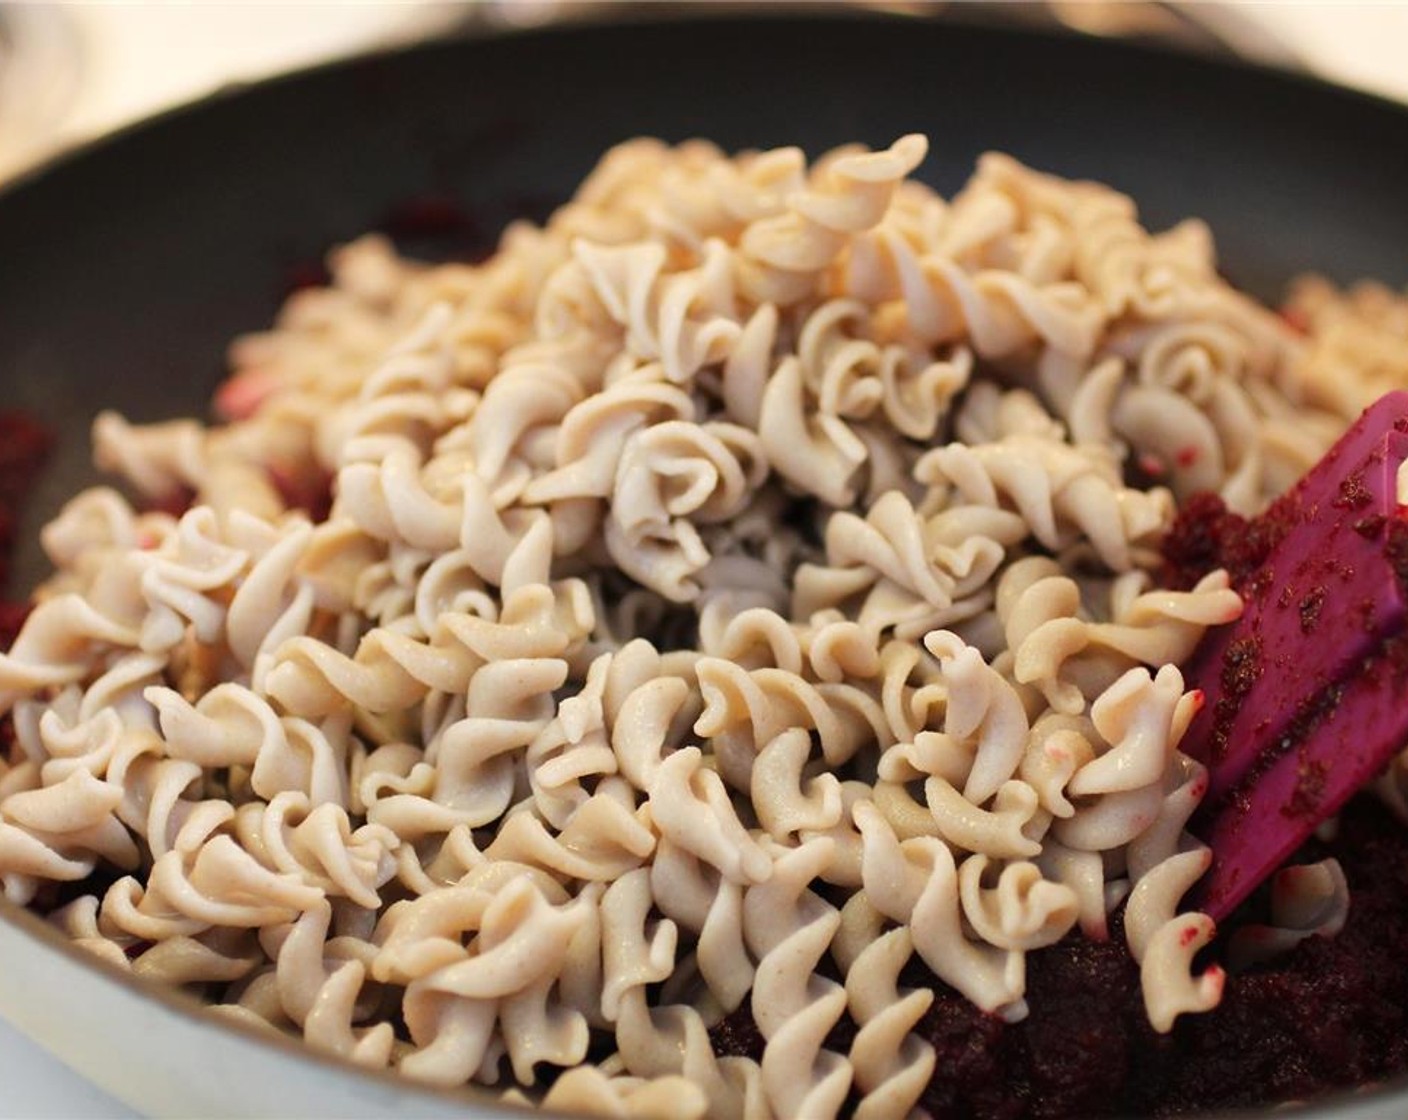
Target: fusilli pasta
{"x":732,"y":590}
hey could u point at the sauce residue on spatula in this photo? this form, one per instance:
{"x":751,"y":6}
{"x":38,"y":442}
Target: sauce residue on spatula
{"x":1302,"y":691}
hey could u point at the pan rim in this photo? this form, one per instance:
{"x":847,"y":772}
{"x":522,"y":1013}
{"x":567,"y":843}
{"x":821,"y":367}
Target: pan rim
{"x":663,"y":14}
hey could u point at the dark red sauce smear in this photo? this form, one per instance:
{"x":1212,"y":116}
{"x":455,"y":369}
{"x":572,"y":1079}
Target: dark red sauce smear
{"x":1331,"y":1014}
{"x":1354,"y":494}
{"x":1207,"y":535}
{"x":310,"y":492}
{"x":1310,"y":607}
{"x":1241,"y":667}
{"x":24,"y":445}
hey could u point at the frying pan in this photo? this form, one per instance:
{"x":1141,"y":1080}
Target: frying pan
{"x":125,"y":268}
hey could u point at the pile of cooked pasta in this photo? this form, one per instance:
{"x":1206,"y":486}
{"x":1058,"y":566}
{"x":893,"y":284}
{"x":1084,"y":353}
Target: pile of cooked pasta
{"x":745,"y":579}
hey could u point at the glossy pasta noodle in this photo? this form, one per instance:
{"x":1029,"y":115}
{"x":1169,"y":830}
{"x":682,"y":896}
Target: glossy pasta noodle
{"x":746,"y":579}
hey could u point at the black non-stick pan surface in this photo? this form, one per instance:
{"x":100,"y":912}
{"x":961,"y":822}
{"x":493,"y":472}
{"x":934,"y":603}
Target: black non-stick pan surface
{"x":125,"y":269}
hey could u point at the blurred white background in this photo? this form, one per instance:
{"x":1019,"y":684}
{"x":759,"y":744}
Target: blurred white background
{"x":68,"y":73}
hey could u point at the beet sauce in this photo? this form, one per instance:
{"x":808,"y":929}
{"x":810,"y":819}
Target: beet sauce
{"x":24,"y":445}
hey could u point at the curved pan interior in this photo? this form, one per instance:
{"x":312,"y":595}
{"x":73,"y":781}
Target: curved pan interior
{"x":125,"y":269}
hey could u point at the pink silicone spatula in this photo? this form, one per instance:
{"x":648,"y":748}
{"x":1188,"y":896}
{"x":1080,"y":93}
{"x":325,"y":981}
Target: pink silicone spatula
{"x":1307,"y":693}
